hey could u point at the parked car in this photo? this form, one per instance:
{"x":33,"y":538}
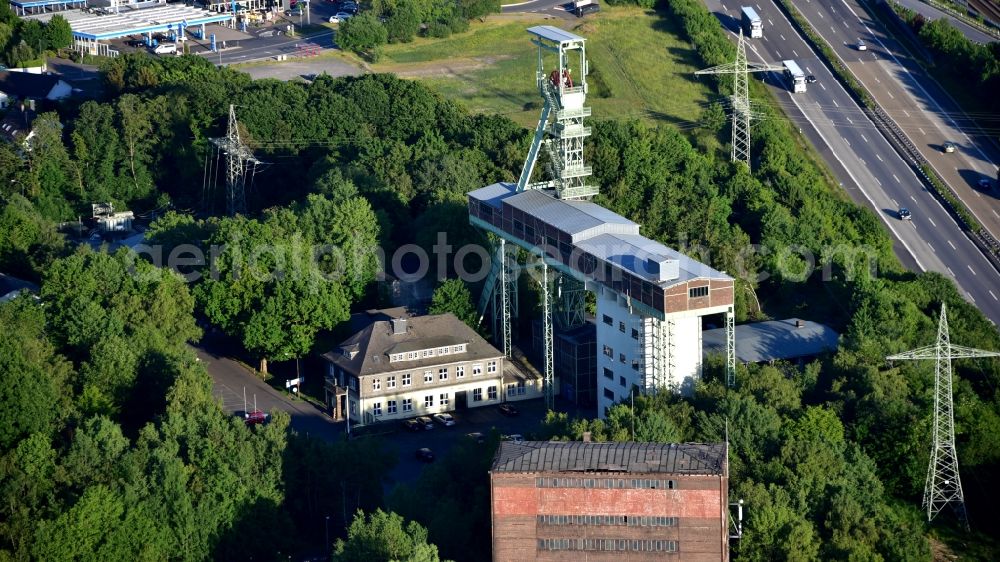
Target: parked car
{"x":426,"y":422}
{"x":811,"y":79}
{"x":340,"y":17}
{"x":293,"y":13}
{"x":904,"y":214}
{"x":476,"y":436}
{"x":166,"y":49}
{"x":255,"y":417}
{"x":425,"y":454}
{"x":861,"y":45}
{"x":514,"y":438}
{"x":949,"y":147}
{"x":507,"y":409}
{"x":349,"y":7}
{"x":444,"y":419}
{"x":413,"y":425}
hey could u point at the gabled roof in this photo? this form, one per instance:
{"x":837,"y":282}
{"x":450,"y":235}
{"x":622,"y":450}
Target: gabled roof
{"x":25,"y":85}
{"x":627,"y":457}
{"x":371,"y":345}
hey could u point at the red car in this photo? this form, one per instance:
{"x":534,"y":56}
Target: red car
{"x":255,"y":417}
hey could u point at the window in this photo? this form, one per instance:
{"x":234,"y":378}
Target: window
{"x":377,"y":409}
{"x":407,"y":404}
{"x":492,"y":392}
{"x":621,"y":381}
{"x":427,"y":353}
{"x":428,"y":401}
{"x":491,"y":367}
{"x":511,"y":389}
{"x":444,"y":400}
{"x":609,"y":352}
{"x":477,"y":395}
{"x":392,"y":407}
{"x":443,"y":351}
{"x":609,"y":374}
{"x":411,"y":355}
{"x":695,"y":292}
{"x":376,"y":384}
{"x":521,"y":388}
{"x":460,"y":372}
{"x":390,"y":381}
{"x":608,"y":320}
{"x":621,"y":327}
{"x":428,"y":377}
{"x":443,"y":373}
{"x":406,"y":379}
{"x":621,"y":357}
{"x":458,"y":348}
{"x":635,"y":334}
{"x":609,"y":394}
{"x":353,"y":383}
{"x":477,"y":369}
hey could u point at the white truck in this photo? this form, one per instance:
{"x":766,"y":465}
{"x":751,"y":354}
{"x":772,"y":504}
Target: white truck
{"x":584,"y":7}
{"x":752,"y":25}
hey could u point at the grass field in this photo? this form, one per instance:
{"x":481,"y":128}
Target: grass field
{"x":639,"y":67}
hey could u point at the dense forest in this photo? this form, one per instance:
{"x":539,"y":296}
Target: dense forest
{"x":113,"y":448}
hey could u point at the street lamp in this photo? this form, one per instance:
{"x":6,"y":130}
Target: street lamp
{"x":326,"y":545}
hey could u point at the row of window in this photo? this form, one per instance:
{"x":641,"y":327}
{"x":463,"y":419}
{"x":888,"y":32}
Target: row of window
{"x":518,"y":389}
{"x":442,"y":375}
{"x":695,"y":292}
{"x":610,"y":352}
{"x":423,"y":353}
{"x":444,"y":400}
{"x":620,"y":520}
{"x":607,"y":544}
{"x":604,"y":483}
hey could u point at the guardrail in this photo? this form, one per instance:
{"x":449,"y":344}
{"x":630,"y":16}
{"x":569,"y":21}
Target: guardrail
{"x":964,"y":18}
{"x":950,"y":200}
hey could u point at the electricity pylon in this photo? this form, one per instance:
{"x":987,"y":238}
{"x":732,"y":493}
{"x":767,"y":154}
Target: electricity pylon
{"x":943,"y":484}
{"x":238,"y":158}
{"x":740,"y":99}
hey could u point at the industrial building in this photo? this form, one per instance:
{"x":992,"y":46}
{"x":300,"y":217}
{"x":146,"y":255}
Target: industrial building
{"x":557,"y":500}
{"x":397,"y":366}
{"x":651,"y":299}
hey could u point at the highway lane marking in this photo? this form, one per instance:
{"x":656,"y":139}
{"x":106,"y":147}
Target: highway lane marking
{"x":992,"y":295}
{"x":835,"y":103}
{"x":950,"y":272}
{"x":878,"y":182}
{"x":995,"y":213}
{"x":931,"y":247}
{"x":970,"y":269}
{"x":864,"y":138}
{"x":809,"y":71}
{"x":879,"y":158}
{"x":846,"y":141}
{"x":895,"y":203}
{"x":821,"y":14}
{"x":930,"y":220}
{"x":890,"y":94}
{"x":896,"y":178}
{"x":921,"y":131}
{"x":877,"y":80}
{"x":952,"y":246}
{"x":770,"y":22}
{"x":906,"y":113}
{"x":822,"y":86}
{"x":833,"y":29}
{"x":913,"y":198}
{"x":782,"y":37}
{"x":971,"y":298}
{"x":794,"y":53}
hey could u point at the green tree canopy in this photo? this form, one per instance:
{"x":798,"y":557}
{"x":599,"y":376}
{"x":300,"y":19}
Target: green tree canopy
{"x":384,"y":536}
{"x":453,"y":296}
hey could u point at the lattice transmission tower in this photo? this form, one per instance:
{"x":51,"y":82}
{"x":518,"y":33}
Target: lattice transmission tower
{"x":740,"y":100}
{"x":239,"y":158}
{"x":943,"y":484}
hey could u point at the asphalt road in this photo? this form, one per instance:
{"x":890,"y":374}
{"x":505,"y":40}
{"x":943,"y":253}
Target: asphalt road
{"x":932,"y":13}
{"x":926,"y":113}
{"x":867,"y":165}
{"x":554,"y":7}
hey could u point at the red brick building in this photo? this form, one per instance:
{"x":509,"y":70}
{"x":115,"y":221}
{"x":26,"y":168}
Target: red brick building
{"x":576,"y":501}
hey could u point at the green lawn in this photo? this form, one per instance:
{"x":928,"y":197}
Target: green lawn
{"x":639,"y":67}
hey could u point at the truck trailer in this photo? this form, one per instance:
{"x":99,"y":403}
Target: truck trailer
{"x":752,"y":25}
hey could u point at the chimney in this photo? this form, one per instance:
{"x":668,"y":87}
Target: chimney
{"x":398,"y":326}
{"x":586,"y":437}
{"x":799,"y":323}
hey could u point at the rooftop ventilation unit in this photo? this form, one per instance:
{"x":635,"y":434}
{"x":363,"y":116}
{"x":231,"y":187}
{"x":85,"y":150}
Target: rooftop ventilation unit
{"x":663,"y":269}
{"x":398,"y":326}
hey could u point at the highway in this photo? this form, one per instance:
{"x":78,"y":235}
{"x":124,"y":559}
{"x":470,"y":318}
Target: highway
{"x":932,"y":13}
{"x":867,"y":165}
{"x":926,"y":113}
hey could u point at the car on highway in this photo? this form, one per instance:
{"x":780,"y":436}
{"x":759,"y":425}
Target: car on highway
{"x":811,"y":79}
{"x":426,"y":422}
{"x":507,"y":409}
{"x":425,"y":454}
{"x":340,"y":17}
{"x":514,"y":438}
{"x":476,"y":436}
{"x":904,"y":214}
{"x":949,"y":147}
{"x":861,"y":45}
{"x":255,"y":417}
{"x":413,"y":425}
{"x":984,"y":183}
{"x":444,"y":419}
{"x":166,"y":49}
